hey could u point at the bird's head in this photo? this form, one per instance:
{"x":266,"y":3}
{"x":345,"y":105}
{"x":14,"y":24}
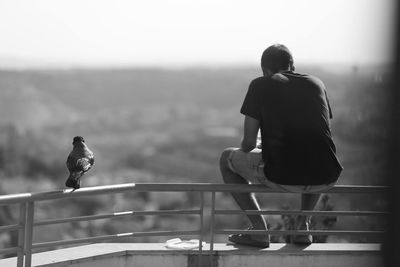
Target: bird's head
{"x":78,"y":139}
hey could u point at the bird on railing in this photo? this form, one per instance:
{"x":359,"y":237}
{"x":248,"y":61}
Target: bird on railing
{"x":79,"y":161}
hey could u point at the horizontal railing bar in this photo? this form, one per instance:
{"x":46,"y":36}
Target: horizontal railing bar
{"x":300,"y":212}
{"x":67,"y":193}
{"x":112,"y":237}
{"x":211,"y":187}
{"x":170,"y":187}
{"x":113,"y":215}
{"x":9,"y":250}
{"x":298,"y":232}
{"x":11,"y":227}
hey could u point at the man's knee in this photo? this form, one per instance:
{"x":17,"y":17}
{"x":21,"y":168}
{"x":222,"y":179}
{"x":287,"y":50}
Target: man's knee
{"x":223,"y":161}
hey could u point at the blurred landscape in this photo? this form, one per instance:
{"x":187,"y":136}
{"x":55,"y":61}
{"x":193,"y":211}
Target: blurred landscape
{"x":170,"y":125}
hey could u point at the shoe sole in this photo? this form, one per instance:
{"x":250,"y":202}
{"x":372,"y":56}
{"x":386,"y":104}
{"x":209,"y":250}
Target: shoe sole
{"x":302,"y":240}
{"x":248,"y":241}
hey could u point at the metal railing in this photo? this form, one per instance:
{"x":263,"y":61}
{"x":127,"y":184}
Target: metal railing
{"x":26,"y":222}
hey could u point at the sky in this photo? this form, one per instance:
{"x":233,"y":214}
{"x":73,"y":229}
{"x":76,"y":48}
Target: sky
{"x":189,"y":33}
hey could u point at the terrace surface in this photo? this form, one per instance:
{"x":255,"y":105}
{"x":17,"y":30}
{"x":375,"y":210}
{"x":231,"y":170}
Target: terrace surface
{"x":156,"y":254}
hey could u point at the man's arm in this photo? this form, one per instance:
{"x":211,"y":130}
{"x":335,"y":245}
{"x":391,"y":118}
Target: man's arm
{"x":251,"y":127}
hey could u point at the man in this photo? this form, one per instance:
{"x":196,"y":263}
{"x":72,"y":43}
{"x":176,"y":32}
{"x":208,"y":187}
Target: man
{"x":297,"y":152}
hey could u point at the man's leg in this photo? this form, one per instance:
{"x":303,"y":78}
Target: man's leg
{"x":246,"y":201}
{"x":308,"y":202}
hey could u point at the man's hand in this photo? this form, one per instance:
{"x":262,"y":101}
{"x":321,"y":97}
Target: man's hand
{"x":251,"y":127}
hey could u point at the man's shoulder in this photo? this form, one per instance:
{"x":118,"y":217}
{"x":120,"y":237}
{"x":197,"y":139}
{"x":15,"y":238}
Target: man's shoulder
{"x":262,"y":82}
{"x":286,"y":78}
{"x":305,"y":77}
{"x":259,"y":80}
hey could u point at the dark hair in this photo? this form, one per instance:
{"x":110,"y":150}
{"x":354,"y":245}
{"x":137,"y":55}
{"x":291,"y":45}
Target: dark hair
{"x":277,"y":57}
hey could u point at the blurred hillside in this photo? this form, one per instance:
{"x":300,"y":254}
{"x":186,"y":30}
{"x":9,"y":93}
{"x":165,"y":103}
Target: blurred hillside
{"x":157,"y":125}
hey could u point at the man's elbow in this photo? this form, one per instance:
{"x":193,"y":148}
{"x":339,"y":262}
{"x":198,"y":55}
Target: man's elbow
{"x":247,"y":146}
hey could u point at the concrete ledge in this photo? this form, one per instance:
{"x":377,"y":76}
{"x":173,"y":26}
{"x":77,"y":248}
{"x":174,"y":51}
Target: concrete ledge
{"x":156,"y":254}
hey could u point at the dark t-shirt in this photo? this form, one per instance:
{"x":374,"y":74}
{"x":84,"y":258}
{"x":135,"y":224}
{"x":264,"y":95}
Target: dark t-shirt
{"x":294,"y":112}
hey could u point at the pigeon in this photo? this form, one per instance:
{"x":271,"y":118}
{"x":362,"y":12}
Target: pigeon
{"x":79,"y":161}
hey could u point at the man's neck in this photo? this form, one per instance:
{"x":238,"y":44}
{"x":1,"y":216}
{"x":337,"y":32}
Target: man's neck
{"x":268,"y":73}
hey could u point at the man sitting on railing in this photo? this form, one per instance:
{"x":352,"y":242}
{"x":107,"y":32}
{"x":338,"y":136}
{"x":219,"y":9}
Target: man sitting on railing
{"x":297,"y":154}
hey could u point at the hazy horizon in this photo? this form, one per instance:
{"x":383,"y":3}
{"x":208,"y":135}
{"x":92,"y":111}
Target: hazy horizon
{"x":181,"y":33}
{"x":30,"y":64}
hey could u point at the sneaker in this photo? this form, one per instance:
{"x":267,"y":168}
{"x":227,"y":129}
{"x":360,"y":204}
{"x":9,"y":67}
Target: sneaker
{"x":302,"y":239}
{"x":249,"y":240}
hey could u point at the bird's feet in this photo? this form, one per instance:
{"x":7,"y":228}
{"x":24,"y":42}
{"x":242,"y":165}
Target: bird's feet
{"x":75,"y":184}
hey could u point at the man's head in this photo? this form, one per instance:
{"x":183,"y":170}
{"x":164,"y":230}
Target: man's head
{"x":276,"y":58}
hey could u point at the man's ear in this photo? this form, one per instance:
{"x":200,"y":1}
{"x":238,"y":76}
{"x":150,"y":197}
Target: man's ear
{"x":292,"y":68}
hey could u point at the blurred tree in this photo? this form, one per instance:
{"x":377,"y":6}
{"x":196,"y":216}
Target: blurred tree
{"x":7,"y":218}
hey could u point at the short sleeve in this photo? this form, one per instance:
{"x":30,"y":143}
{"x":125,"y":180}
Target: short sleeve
{"x":250,"y":106}
{"x":329,"y":106}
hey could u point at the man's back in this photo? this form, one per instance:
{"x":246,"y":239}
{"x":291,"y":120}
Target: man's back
{"x":294,"y":112}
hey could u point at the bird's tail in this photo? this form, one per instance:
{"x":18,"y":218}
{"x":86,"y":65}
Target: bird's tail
{"x":74,"y":180}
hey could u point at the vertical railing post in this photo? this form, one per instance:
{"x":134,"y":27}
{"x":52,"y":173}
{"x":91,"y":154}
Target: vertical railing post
{"x":201,"y":228}
{"x":212,"y":229}
{"x":29,"y":233}
{"x":21,"y":234}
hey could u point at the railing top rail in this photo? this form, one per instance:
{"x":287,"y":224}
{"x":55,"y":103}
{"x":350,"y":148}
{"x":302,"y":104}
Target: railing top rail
{"x":170,"y":187}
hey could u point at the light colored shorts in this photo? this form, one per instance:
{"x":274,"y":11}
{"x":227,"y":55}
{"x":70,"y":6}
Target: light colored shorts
{"x":250,"y":166}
